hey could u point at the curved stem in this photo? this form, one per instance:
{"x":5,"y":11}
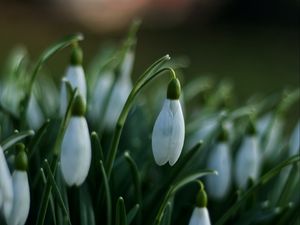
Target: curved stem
{"x":144,"y":80}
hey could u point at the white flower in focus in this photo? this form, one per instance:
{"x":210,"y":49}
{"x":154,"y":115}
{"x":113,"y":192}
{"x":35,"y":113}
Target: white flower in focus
{"x":75,"y":75}
{"x":200,"y":216}
{"x":294,"y":144}
{"x":168,"y":132}
{"x":76,"y":147}
{"x":219,"y":160}
{"x":247,"y":163}
{"x":21,"y":193}
{"x":6,"y":186}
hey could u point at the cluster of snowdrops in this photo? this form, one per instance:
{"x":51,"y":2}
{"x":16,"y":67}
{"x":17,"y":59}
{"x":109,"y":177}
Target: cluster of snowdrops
{"x":69,"y":152}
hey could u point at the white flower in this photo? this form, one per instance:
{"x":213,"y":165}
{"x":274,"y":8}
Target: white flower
{"x":76,"y":151}
{"x":294,"y":144}
{"x":200,"y":216}
{"x":75,"y":75}
{"x":21,"y":202}
{"x":247,"y":163}
{"x":34,"y":115}
{"x":118,"y":96}
{"x":168,"y":133}
{"x":6,"y":186}
{"x":219,"y":160}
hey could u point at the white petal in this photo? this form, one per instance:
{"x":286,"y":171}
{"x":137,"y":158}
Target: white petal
{"x":75,"y":75}
{"x":76,"y":152}
{"x":127,"y":64}
{"x":34,"y":114}
{"x":273,"y":139}
{"x":219,"y":160}
{"x":6,"y":185}
{"x":200,"y":216}
{"x":21,"y":203}
{"x":168,"y":133}
{"x":117,"y":100}
{"x":295,"y":141}
{"x":247,"y":161}
{"x":99,"y":95}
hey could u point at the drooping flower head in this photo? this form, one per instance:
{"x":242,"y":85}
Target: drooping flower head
{"x":248,"y":159}
{"x":75,"y":75}
{"x":76,"y":146}
{"x":168,"y":132}
{"x":200,"y":215}
{"x":21,"y":200}
{"x":220,"y":160}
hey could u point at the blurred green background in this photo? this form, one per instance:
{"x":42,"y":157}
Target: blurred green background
{"x":253,"y":43}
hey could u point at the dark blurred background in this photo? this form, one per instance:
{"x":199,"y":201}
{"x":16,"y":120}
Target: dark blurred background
{"x":254,"y":43}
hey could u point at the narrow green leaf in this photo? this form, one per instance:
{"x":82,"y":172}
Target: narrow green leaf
{"x":132,"y":213}
{"x":15,"y":138}
{"x":263,"y":180}
{"x":87,"y":216}
{"x":135,"y":175}
{"x":107,"y":194}
{"x":167,"y":217}
{"x":33,"y":145}
{"x":121,"y":218}
{"x":97,"y":147}
{"x":51,"y":196}
{"x":56,"y":190}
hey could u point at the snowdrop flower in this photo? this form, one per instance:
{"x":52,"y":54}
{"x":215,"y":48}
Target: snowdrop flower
{"x":247,"y":163}
{"x":168,"y":131}
{"x":200,"y":214}
{"x":34,"y":115}
{"x":6,"y":186}
{"x":21,"y":200}
{"x":75,"y":75}
{"x":220,"y":160}
{"x":76,"y":146}
{"x":294,"y":143}
{"x":120,"y":91}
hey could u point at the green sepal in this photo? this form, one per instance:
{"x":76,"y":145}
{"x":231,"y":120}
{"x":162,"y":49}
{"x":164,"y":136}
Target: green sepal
{"x":174,"y":89}
{"x":223,"y":135}
{"x":79,"y":106}
{"x":201,"y":197}
{"x":76,"y":55}
{"x":21,"y":160}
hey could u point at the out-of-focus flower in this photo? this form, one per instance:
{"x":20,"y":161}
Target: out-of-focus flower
{"x":248,"y":158}
{"x":34,"y":115}
{"x":115,"y":99}
{"x":76,"y":146}
{"x":220,"y":160}
{"x":21,"y":193}
{"x":168,"y":132}
{"x":200,"y":214}
{"x":75,"y":75}
{"x":6,"y":187}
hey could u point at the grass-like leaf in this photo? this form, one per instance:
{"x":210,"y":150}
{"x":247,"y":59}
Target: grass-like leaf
{"x":15,"y":138}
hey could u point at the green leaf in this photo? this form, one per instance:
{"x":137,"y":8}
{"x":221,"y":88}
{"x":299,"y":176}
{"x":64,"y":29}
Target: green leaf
{"x":97,"y":148}
{"x":107,"y":194}
{"x":51,"y":179}
{"x":15,"y":138}
{"x":136,"y":176}
{"x":87,"y":216}
{"x":132,"y":213}
{"x":263,"y":180}
{"x":121,"y":218}
{"x":33,"y":145}
{"x":167,"y":218}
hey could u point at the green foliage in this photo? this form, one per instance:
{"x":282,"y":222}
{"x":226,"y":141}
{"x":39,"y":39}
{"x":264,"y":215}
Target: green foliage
{"x":122,"y":162}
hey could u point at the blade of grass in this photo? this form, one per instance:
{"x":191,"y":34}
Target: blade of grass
{"x":121,"y":218}
{"x":132,"y":213}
